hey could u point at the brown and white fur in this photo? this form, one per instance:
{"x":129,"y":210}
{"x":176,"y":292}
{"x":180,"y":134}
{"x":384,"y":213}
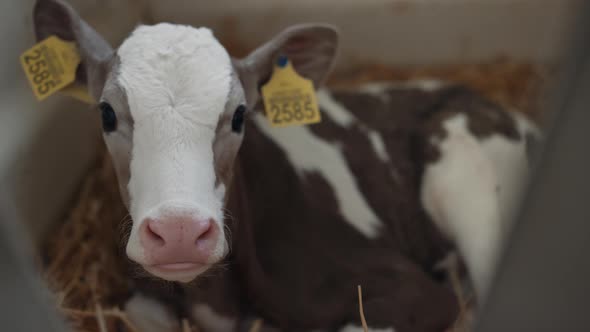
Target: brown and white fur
{"x":392,"y":179}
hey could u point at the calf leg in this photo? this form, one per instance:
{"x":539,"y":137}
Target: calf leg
{"x":459,"y":192}
{"x":214,"y":303}
{"x":210,"y":320}
{"x":408,"y":310}
{"x":149,"y":315}
{"x":404,"y":299}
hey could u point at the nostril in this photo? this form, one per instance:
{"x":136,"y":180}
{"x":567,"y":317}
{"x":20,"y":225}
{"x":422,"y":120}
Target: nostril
{"x":206,"y":231}
{"x":153,"y":236}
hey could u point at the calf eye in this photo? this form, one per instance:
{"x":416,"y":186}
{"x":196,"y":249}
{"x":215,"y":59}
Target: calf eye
{"x":237,"y":122}
{"x":109,"y":119}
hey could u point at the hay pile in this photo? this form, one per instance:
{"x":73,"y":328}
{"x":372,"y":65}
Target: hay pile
{"x":85,"y":267}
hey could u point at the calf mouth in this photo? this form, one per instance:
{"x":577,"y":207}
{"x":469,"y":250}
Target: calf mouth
{"x":179,"y":272}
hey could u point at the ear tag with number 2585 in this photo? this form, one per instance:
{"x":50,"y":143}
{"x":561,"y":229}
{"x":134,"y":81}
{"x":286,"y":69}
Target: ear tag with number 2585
{"x":51,"y":66}
{"x":289,"y":99}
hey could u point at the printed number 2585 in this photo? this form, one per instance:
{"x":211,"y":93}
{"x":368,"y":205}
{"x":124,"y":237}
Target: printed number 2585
{"x":37,"y":66}
{"x":289,"y":110}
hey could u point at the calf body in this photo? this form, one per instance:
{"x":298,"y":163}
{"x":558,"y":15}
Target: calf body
{"x":390,"y":181}
{"x":408,"y":160}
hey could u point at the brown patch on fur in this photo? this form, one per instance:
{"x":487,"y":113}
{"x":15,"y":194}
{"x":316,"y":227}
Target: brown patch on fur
{"x":484,"y":118}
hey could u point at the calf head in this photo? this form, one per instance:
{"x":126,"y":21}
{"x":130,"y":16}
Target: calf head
{"x":172,"y":103}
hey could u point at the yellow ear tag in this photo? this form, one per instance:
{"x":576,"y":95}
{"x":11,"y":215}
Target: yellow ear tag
{"x":50,"y":66}
{"x":289,"y":99}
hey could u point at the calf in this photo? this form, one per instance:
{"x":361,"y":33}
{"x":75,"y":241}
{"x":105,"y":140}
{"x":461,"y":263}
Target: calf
{"x":392,"y":179}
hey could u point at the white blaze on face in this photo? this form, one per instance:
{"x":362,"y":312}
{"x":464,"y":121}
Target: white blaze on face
{"x":177,"y":80}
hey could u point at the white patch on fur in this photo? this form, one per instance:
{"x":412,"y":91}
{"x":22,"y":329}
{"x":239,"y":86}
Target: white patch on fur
{"x":427,"y":84}
{"x":336,"y":111}
{"x":472,"y":192}
{"x":355,"y":328}
{"x":210,"y":321}
{"x":525,"y":125}
{"x":378,"y":145}
{"x":308,"y":153}
{"x":149,"y":315}
{"x":459,"y":193}
{"x":510,"y":163}
{"x":177,"y":80}
{"x":380,"y":149}
{"x":378,"y":89}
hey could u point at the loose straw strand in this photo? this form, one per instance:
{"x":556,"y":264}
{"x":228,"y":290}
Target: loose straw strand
{"x":102,"y":325}
{"x":464,"y":300}
{"x":361,"y":311}
{"x":185,"y":325}
{"x":256,"y":326}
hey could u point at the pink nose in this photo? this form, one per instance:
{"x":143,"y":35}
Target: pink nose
{"x":175,"y":241}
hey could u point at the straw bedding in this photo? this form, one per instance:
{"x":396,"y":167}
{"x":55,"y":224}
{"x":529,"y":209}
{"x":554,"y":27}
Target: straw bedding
{"x":86,"y":269}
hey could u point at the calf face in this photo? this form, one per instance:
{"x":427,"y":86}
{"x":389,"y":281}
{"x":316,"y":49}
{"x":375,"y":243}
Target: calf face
{"x":172,"y":103}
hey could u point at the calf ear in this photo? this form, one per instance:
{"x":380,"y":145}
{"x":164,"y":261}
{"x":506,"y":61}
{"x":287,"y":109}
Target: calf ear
{"x":311,"y":48}
{"x":55,"y":17}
